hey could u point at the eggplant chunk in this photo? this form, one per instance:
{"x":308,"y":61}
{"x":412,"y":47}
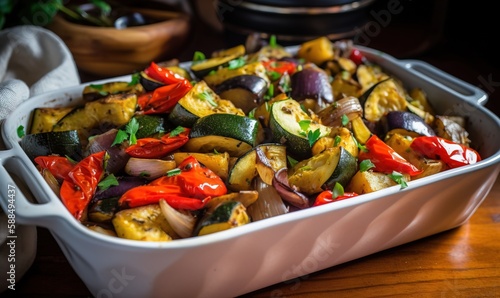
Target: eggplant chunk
{"x":244,"y":91}
{"x":409,"y":122}
{"x":311,"y":83}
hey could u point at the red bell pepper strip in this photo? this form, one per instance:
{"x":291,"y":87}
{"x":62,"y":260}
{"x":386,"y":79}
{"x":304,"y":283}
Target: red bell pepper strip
{"x":158,"y":148}
{"x":81,"y":183}
{"x":164,"y":75}
{"x":58,"y":166}
{"x":385,"y":159}
{"x":191,"y":189}
{"x":279,"y":68}
{"x":164,"y":98}
{"x":326,"y":197}
{"x":151,"y":194}
{"x":453,"y":154}
{"x":195,"y":180}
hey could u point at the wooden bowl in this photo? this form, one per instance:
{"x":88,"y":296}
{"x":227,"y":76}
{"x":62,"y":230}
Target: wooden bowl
{"x":107,"y":52}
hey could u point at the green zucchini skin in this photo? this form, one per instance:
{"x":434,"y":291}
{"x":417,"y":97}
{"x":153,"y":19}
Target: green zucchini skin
{"x":227,"y":125}
{"x":63,"y":143}
{"x":346,"y":168}
{"x":227,"y":215}
{"x":284,"y":121}
{"x":151,"y":124}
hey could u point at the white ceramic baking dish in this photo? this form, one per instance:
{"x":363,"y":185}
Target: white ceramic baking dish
{"x":244,"y":259}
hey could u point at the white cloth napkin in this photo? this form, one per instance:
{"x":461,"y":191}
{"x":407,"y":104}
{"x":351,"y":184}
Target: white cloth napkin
{"x":33,"y":60}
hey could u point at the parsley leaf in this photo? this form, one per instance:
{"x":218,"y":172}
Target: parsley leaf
{"x":198,"y":56}
{"x":345,"y":120}
{"x":272,"y":41}
{"x":236,"y":63}
{"x":107,"y":182}
{"x":132,"y":128}
{"x":135,"y":79}
{"x":304,"y":124}
{"x":173,"y":172}
{"x":205,"y":95}
{"x":365,"y":165}
{"x":20,"y":131}
{"x":176,"y":131}
{"x":399,"y":179}
{"x":313,"y":136}
{"x":337,"y":191}
{"x":337,"y":141}
{"x":129,"y":133}
{"x":251,"y":114}
{"x":291,"y":161}
{"x":97,"y":86}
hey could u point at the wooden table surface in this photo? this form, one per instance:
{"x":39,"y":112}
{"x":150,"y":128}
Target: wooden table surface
{"x":462,"y":262}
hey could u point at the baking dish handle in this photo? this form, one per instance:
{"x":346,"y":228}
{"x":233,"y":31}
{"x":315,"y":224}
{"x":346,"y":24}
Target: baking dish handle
{"x":14,"y":201}
{"x":446,"y":81}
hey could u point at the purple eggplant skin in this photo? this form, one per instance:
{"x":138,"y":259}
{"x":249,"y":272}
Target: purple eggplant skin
{"x":124,"y":183}
{"x":311,"y":83}
{"x":252,"y":83}
{"x":244,"y":91}
{"x":117,"y":156}
{"x":408,"y":121}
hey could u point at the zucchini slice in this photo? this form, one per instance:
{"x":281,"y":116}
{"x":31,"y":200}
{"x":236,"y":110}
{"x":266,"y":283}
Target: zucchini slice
{"x":219,"y":76}
{"x":227,"y":215}
{"x":323,"y":170}
{"x":44,"y":119}
{"x":223,"y":132}
{"x":145,"y":223}
{"x":245,"y":91}
{"x":63,"y":143}
{"x":200,"y":101}
{"x":113,"y":110}
{"x":381,"y":98}
{"x":202,"y":68}
{"x":243,"y":172}
{"x":93,"y":92}
{"x":102,"y":211}
{"x":150,"y":125}
{"x":284,"y":122}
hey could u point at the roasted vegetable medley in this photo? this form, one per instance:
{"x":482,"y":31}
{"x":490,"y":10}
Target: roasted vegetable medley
{"x":241,"y":135}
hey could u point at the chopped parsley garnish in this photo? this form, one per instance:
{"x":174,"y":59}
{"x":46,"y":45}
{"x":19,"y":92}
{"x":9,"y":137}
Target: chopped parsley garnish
{"x":129,"y":133}
{"x":313,"y":136}
{"x":270,"y":93}
{"x":251,"y":114}
{"x":337,"y":141}
{"x":304,"y":125}
{"x":97,"y":86}
{"x":236,"y":63}
{"x":198,"y":56}
{"x":173,"y":172}
{"x":337,"y":191}
{"x":20,"y":131}
{"x":361,"y":147}
{"x":273,"y":75}
{"x":272,"y":41}
{"x":365,"y":165}
{"x":176,"y":131}
{"x":291,"y":161}
{"x":398,"y":178}
{"x":135,"y":79}
{"x":207,"y":96}
{"x":345,"y":120}
{"x":107,"y":182}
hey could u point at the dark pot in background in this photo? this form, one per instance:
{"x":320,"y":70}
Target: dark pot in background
{"x":292,"y":22}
